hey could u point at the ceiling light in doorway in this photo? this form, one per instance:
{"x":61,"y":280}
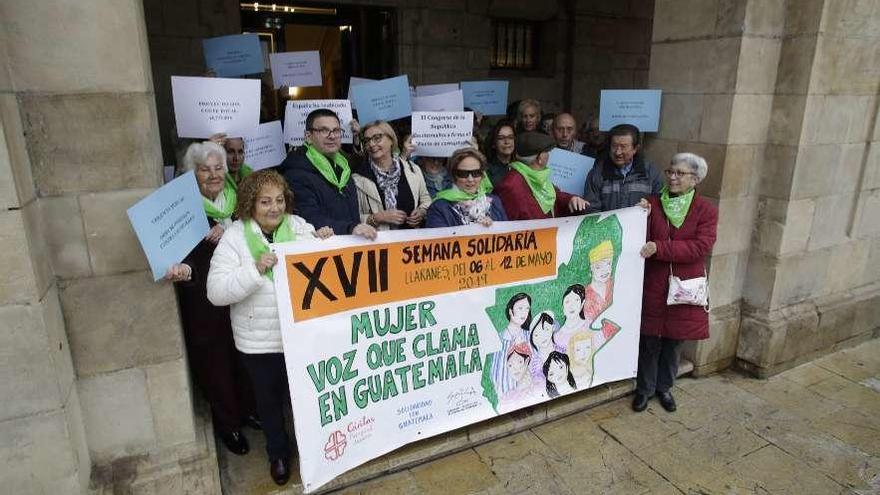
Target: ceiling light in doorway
{"x":345,"y":28}
{"x":290,"y":9}
{"x":293,"y":91}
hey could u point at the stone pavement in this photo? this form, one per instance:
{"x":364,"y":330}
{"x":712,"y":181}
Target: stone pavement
{"x":814,"y":429}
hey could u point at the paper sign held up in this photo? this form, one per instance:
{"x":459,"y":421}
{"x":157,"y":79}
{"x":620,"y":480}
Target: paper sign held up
{"x":639,"y":107}
{"x":487,"y":97}
{"x":204,"y":106}
{"x":264,"y":148}
{"x":235,"y":55}
{"x":569,"y":170}
{"x":297,"y":111}
{"x":443,"y":102}
{"x":169,"y":223}
{"x":441,"y":133}
{"x":388,"y":99}
{"x":302,"y":69}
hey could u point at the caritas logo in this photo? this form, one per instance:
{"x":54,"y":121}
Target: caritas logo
{"x":335,"y":446}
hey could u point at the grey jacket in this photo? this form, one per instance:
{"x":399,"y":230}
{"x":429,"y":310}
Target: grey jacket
{"x":606,"y":189}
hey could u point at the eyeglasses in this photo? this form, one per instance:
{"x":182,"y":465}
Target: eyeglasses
{"x":677,"y":173}
{"x":621,"y":147}
{"x":464,"y":174}
{"x":374,"y":139}
{"x":325,"y":132}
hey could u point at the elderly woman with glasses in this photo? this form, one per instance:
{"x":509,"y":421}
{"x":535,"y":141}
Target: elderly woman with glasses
{"x":467,"y":201}
{"x":681,"y":232}
{"x":391,"y":190}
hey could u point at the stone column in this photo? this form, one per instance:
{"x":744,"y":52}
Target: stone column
{"x":716,"y":62}
{"x":81,"y":140}
{"x":813,"y":275}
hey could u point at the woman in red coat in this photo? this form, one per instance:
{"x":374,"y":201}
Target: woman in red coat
{"x":681,"y":231}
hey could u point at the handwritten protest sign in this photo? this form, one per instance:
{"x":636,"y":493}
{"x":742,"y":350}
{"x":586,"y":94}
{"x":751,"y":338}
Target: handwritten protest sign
{"x":297,"y":111}
{"x":204,"y":106}
{"x":302,"y":69}
{"x":441,"y":133}
{"x":387,"y":99}
{"x":264,"y":148}
{"x":235,"y":55}
{"x":569,"y":170}
{"x":435,"y":89}
{"x":640,"y":108}
{"x":487,"y":97}
{"x":420,"y":333}
{"x":442,"y":102}
{"x":169,"y":223}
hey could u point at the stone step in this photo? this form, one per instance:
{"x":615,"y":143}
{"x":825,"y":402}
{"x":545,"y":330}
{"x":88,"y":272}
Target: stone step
{"x":249,"y":475}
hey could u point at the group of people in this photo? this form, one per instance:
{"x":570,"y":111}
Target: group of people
{"x":225,"y":285}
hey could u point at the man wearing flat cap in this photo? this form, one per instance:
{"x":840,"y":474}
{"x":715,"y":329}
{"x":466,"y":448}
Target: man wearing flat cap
{"x":526,"y":191}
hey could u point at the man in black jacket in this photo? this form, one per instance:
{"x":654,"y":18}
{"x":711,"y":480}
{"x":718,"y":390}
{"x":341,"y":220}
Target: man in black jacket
{"x":621,"y":177}
{"x":320,"y":177}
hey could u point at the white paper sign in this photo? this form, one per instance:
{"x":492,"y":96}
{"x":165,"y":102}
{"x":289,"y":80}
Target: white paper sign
{"x":301,"y":69}
{"x":265,"y":148}
{"x":204,"y":106}
{"x":298,"y":110}
{"x":436,"y":89}
{"x":441,"y":133}
{"x":443,"y":102}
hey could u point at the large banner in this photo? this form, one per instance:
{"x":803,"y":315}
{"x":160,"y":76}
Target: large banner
{"x":425,"y":331}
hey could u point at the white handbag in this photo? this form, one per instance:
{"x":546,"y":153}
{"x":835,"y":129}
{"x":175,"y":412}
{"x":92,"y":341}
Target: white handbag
{"x":693,"y":291}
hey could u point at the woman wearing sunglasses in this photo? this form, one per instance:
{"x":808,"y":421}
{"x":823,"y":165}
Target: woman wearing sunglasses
{"x":466,"y":202}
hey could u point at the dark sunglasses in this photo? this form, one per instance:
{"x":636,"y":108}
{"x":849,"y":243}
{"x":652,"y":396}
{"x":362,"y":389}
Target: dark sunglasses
{"x":464,"y":174}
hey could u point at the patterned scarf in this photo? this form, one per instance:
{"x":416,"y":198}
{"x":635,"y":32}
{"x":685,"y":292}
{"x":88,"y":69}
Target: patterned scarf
{"x":676,"y":207}
{"x":387,"y":182}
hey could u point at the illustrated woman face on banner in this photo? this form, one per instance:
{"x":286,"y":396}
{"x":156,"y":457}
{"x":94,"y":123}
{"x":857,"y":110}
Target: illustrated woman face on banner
{"x":573,"y":301}
{"x":519,"y":310}
{"x":518,"y":362}
{"x":600,"y":262}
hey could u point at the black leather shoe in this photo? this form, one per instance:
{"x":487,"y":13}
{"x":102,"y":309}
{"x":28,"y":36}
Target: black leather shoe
{"x":640,"y":402}
{"x":236,"y":442}
{"x":279,"y":471}
{"x":667,"y":401}
{"x":253,"y":422}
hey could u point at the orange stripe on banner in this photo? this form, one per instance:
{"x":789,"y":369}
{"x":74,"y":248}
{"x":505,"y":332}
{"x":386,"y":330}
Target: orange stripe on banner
{"x":327,"y":282}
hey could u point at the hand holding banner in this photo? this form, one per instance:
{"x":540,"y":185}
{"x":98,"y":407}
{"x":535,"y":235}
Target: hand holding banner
{"x":302,"y":69}
{"x":169,"y":223}
{"x":235,"y":55}
{"x":204,"y":106}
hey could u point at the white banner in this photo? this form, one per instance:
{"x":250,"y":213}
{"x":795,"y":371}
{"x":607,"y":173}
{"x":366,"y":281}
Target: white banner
{"x":422,"y":332}
{"x":265,"y":148}
{"x":298,"y":110}
{"x":441,"y":133}
{"x":204,"y":106}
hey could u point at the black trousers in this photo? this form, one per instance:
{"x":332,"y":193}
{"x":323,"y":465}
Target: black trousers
{"x":658,"y":364}
{"x":269,"y":379}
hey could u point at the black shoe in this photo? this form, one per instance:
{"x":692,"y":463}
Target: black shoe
{"x":640,"y":402}
{"x":279,"y":471}
{"x":236,"y":442}
{"x":253,"y":422}
{"x":667,"y":401}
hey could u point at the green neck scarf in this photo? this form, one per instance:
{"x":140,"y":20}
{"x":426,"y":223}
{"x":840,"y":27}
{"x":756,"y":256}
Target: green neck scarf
{"x":326,"y":169}
{"x":454,"y":194}
{"x":676,"y":208}
{"x":228,"y":208}
{"x":539,"y":182}
{"x":243,"y":172}
{"x":256,"y":243}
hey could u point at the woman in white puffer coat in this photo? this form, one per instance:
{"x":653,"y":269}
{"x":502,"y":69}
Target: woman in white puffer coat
{"x":241,"y":277}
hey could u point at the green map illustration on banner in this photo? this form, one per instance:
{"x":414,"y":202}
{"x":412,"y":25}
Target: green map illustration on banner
{"x":562,"y":313}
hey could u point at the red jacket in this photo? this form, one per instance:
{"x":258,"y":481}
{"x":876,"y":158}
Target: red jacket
{"x":519,"y":204}
{"x":686,"y":250}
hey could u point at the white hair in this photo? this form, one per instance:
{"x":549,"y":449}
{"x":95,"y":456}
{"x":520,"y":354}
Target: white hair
{"x":198,"y":153}
{"x":695,"y":162}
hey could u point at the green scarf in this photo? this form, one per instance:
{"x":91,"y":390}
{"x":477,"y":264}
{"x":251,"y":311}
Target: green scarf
{"x":243,"y":172}
{"x":256,"y":243}
{"x":539,"y":182}
{"x":454,"y":194}
{"x":676,"y":208}
{"x":326,"y":169}
{"x":231,"y":199}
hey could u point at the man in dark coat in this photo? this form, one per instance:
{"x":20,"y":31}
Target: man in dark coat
{"x":621,"y":177}
{"x":320,"y":178}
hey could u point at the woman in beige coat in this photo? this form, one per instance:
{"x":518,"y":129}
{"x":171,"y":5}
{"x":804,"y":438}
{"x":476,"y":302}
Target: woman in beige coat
{"x":392,"y":193}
